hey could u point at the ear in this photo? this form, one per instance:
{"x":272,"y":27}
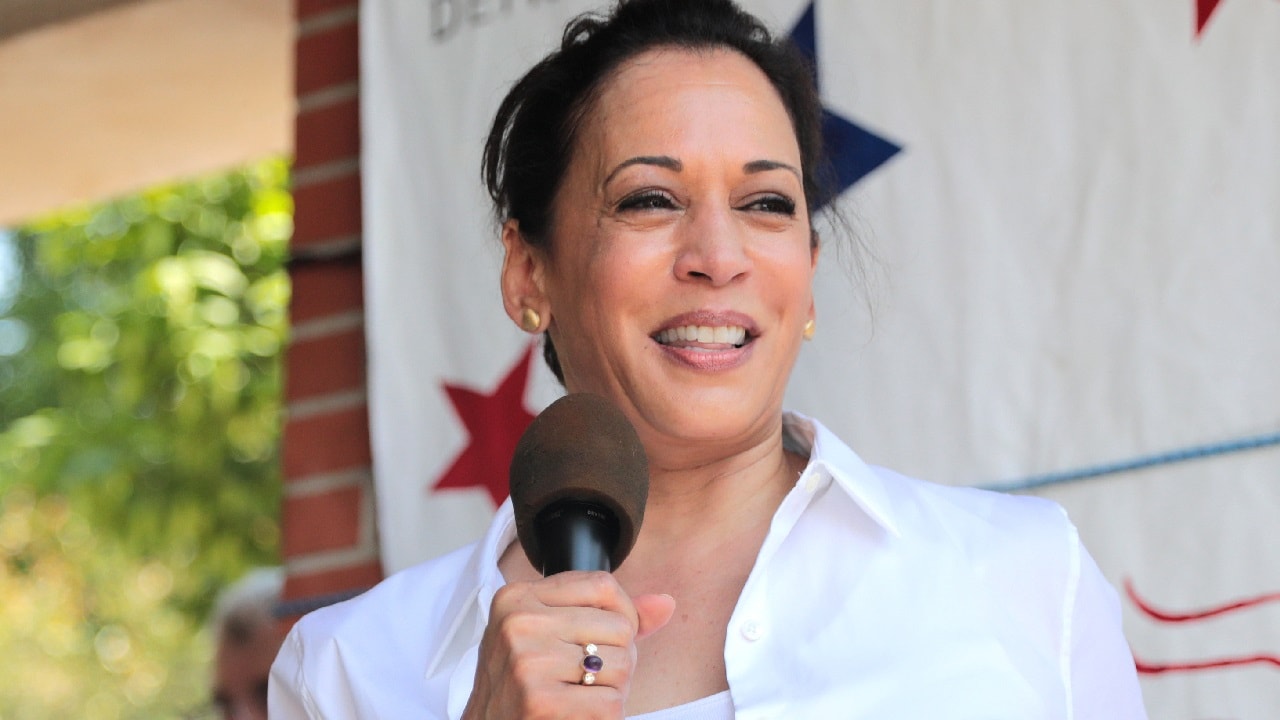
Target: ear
{"x":523,"y":268}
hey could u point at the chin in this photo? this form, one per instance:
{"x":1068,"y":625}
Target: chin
{"x":712,"y":418}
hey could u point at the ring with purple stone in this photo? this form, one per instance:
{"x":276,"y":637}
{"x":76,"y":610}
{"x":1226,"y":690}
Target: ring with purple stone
{"x":591,"y":664}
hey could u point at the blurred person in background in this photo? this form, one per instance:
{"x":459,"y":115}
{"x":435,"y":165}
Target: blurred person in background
{"x":248,"y":637}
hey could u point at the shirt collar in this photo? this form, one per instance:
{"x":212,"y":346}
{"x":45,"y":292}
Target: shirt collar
{"x":468,"y":609}
{"x":830,"y":457}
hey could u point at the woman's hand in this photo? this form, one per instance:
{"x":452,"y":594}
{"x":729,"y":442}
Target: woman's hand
{"x":530,"y":663}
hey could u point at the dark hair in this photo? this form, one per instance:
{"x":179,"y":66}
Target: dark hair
{"x":533,"y":133}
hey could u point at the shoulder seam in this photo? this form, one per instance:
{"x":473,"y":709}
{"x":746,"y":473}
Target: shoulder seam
{"x":300,"y":677}
{"x":1068,"y":609}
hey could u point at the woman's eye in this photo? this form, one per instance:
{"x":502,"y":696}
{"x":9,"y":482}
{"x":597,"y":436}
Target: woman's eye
{"x":773,"y":204}
{"x":648,"y":200}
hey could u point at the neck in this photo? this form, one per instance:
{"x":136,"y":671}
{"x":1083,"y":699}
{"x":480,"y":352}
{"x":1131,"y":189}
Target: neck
{"x":695,"y":506}
{"x":699,"y":513}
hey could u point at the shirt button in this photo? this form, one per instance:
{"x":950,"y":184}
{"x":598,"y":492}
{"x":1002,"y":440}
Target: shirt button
{"x":813,"y":483}
{"x":752,"y":630}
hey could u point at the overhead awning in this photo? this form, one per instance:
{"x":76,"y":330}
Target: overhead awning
{"x":102,"y":97}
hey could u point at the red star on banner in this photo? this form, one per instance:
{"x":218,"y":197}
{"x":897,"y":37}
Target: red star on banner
{"x":495,"y":423}
{"x":1204,"y":9}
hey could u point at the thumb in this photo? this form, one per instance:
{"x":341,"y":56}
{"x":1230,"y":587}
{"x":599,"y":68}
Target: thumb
{"x":654,"y":612}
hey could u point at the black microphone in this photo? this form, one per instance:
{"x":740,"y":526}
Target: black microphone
{"x":579,"y":483}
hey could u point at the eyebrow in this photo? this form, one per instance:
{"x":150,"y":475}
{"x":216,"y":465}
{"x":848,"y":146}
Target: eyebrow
{"x":663,"y":161}
{"x":758,"y":166}
{"x":674,"y":165}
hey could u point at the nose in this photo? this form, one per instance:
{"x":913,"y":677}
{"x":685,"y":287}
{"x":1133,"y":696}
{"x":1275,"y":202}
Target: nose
{"x":712,"y":249}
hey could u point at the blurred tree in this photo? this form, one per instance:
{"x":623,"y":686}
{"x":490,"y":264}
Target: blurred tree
{"x":139,"y":420}
{"x":88,"y":629}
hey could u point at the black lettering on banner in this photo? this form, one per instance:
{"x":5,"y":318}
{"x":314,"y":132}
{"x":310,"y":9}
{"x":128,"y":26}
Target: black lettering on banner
{"x":447,"y":17}
{"x":444,"y":17}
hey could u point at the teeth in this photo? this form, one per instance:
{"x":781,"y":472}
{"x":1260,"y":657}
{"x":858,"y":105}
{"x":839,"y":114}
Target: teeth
{"x":704,"y":334}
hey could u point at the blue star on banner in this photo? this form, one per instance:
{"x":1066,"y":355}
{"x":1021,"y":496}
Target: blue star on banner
{"x":853,"y":152}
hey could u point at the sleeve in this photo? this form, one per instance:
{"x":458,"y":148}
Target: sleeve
{"x":287,"y":695}
{"x":1099,"y":669}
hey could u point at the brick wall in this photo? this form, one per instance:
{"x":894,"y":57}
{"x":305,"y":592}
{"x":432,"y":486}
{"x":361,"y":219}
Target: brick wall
{"x":329,"y":538}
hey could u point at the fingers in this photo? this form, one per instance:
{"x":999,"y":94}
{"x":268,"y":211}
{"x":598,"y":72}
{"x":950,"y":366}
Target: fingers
{"x":531,"y":657}
{"x":654,"y":612}
{"x":583,"y":589}
{"x":577,"y":591}
{"x":571,"y":615}
{"x":614,"y":666}
{"x":646,"y":613}
{"x":596,"y":631}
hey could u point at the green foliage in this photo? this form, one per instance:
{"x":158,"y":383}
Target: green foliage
{"x":139,"y":425}
{"x":88,"y":629}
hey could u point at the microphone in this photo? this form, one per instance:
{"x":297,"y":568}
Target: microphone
{"x":579,"y":482}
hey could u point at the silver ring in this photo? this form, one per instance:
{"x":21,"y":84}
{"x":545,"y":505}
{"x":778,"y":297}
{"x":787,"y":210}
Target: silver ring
{"x":591,"y":664}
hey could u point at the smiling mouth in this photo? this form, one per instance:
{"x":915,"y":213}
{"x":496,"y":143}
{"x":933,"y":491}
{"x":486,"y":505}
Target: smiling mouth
{"x":704,"y":337}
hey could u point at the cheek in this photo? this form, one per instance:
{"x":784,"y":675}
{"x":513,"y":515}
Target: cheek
{"x":623,"y":270}
{"x":790,"y":268}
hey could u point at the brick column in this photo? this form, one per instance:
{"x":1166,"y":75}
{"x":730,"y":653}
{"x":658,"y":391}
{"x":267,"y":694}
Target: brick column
{"x":329,"y":540}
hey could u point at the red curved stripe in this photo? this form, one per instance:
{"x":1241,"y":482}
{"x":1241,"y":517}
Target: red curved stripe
{"x":1146,"y":668}
{"x":1167,"y":616}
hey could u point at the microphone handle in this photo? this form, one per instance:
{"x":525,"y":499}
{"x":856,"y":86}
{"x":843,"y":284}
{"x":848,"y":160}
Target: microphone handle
{"x":576,"y":535}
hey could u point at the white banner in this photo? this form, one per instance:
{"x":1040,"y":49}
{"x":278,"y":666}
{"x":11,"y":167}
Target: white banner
{"x":1074,"y":208}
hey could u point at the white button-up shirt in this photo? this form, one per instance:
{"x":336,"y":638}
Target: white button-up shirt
{"x":874,"y":596}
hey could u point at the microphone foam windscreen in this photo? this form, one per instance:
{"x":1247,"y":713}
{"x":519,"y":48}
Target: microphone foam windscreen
{"x":580,"y":448}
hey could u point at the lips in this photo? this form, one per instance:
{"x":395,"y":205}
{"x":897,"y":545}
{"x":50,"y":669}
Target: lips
{"x":703,"y":335}
{"x":707,"y":340}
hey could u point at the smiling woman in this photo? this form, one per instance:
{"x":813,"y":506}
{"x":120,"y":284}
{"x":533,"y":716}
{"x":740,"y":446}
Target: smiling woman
{"x":683,"y":216}
{"x":656,"y":178}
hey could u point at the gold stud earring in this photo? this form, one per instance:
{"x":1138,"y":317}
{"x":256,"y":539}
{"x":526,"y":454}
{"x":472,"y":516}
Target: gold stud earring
{"x":530,"y":320}
{"x":809,"y":329}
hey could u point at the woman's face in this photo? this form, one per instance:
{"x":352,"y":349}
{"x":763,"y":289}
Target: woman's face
{"x":679,"y":271}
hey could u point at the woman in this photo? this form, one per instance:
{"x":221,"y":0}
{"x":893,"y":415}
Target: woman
{"x":656,"y":177}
